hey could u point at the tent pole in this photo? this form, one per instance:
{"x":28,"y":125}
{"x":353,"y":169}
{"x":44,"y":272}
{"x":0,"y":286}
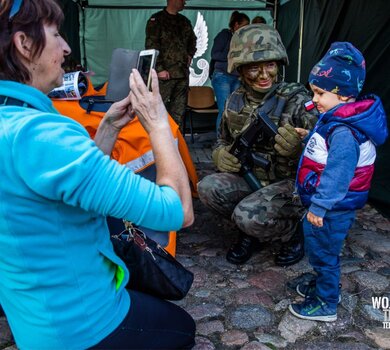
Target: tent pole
{"x":275,"y":12}
{"x":301,"y":14}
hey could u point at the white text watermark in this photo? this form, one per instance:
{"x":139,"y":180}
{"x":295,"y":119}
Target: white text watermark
{"x":383,"y":303}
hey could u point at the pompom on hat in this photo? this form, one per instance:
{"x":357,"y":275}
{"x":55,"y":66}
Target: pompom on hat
{"x":341,"y":71}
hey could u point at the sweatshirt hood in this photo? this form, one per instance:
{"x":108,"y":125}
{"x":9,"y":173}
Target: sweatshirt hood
{"x":367,"y":115}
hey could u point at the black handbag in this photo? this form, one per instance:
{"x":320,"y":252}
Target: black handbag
{"x":152,"y":269}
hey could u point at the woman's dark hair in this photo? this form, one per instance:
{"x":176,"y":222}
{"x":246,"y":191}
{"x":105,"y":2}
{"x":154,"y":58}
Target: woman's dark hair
{"x":237,"y":17}
{"x":30,"y":19}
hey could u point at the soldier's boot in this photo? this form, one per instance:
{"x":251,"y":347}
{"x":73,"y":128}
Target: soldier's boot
{"x":241,"y":250}
{"x":293,"y":250}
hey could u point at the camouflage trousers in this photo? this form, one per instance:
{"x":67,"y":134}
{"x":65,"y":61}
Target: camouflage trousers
{"x":174,"y":93}
{"x":269,"y":214}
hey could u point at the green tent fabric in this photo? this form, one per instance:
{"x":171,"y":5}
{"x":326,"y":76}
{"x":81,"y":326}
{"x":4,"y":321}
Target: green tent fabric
{"x":106,"y":25}
{"x":215,"y":4}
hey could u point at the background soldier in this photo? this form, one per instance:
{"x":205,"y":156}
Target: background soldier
{"x":269,"y":213}
{"x":171,"y":33}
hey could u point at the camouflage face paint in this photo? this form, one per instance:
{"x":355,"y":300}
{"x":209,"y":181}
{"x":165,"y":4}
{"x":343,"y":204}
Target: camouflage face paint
{"x":260,"y":75}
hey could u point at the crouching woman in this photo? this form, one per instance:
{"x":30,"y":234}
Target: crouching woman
{"x":61,"y":285}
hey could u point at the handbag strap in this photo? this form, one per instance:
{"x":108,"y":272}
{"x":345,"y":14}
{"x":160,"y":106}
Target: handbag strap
{"x":10,"y":101}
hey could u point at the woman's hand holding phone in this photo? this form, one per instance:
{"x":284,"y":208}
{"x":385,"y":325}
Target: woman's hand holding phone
{"x":147,"y":104}
{"x":147,"y":62}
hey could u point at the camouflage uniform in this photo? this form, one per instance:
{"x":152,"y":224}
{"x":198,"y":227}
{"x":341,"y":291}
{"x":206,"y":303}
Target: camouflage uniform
{"x":174,"y":38}
{"x":272,"y":212}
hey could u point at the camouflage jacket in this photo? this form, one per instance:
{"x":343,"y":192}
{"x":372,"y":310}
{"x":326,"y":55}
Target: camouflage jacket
{"x":241,"y":109}
{"x":174,"y":37}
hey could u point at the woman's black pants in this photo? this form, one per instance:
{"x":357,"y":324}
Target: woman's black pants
{"x":151,"y":323}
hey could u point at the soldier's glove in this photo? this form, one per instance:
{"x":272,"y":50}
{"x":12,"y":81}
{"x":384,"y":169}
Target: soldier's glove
{"x":225,"y":161}
{"x":288,"y":143}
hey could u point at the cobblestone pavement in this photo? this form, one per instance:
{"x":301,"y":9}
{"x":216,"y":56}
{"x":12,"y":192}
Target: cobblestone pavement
{"x":245,"y":307}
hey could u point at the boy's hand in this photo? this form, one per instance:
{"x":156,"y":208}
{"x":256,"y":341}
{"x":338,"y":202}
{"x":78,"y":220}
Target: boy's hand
{"x":302,"y":132}
{"x":314,"y":219}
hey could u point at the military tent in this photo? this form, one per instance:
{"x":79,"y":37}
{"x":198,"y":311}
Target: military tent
{"x":307,"y":27}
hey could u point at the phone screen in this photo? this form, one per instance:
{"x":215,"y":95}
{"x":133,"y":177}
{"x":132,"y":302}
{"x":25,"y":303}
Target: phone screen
{"x":144,"y":65}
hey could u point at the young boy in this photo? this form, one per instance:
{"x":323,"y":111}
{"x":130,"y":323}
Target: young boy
{"x":335,"y":171}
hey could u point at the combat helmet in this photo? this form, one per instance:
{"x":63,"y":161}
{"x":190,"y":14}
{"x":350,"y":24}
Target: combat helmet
{"x":255,"y":43}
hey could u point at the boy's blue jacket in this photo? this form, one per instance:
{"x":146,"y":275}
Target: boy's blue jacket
{"x":337,"y":165}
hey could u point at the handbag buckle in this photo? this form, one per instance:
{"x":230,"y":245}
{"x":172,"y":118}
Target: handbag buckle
{"x":139,"y":241}
{"x":139,"y":237}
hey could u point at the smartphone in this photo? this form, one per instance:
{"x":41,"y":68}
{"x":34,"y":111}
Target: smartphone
{"x":147,"y":61}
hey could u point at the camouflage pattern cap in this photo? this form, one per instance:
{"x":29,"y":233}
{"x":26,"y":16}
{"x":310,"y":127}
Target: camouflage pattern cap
{"x":255,"y":43}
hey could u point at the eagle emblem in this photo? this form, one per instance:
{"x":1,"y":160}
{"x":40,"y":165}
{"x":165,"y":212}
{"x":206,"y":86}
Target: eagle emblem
{"x":202,"y":41}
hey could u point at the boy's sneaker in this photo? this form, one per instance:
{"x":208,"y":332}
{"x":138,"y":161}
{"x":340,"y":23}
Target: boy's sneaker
{"x":308,"y":290}
{"x":314,"y":309}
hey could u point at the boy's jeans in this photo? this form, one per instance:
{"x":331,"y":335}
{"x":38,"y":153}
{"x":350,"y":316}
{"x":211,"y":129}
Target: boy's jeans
{"x":323,"y":246}
{"x":223,"y":84}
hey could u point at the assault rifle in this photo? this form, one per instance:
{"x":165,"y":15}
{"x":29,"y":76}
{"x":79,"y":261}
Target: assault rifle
{"x":242,"y":148}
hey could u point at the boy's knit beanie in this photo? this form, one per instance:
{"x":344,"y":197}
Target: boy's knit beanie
{"x":341,"y":71}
